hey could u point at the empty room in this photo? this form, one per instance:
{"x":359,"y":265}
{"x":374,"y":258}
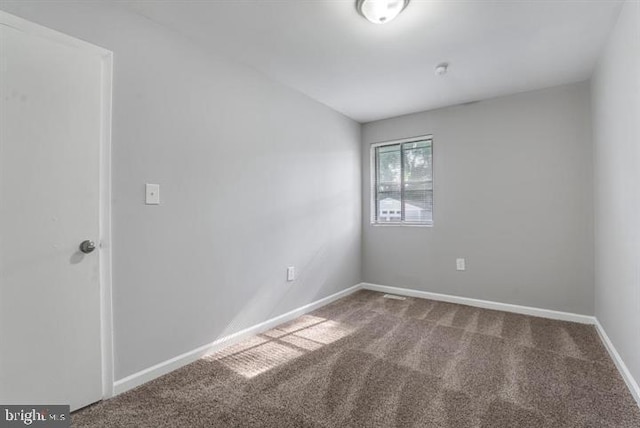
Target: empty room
{"x":320,"y":213}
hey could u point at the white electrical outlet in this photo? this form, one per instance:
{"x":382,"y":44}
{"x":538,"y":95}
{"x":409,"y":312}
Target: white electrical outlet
{"x":291,"y":273}
{"x":460,"y":264}
{"x":152,"y":194}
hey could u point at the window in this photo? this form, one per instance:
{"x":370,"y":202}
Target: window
{"x":402,"y":182}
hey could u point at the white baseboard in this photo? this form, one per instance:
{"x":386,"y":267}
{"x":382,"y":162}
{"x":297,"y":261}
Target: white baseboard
{"x":486,"y":304}
{"x":175,"y":363}
{"x":617,"y":359}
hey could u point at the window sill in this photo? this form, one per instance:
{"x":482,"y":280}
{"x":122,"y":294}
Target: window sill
{"x":401,"y":224}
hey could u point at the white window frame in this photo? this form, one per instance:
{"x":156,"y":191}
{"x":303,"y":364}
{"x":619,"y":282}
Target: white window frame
{"x":373,"y":181}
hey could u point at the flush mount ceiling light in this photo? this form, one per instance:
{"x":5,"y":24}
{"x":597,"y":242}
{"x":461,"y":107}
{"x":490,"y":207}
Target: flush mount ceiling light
{"x":380,"y":11}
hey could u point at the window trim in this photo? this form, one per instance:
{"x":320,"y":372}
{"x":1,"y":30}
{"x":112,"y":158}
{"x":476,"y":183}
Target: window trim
{"x":373,"y":194}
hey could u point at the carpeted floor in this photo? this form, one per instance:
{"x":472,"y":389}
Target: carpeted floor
{"x":367,"y":361}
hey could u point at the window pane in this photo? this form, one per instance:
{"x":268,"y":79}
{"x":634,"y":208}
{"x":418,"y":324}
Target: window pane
{"x":418,"y":182}
{"x":388,"y":184}
{"x":403,"y":186}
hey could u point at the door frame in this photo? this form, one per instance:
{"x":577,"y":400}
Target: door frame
{"x":105,"y":246}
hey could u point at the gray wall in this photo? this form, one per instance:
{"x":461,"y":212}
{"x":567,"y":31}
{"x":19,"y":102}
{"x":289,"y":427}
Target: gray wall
{"x":254,"y":177}
{"x":512,"y":195}
{"x":616,"y":120}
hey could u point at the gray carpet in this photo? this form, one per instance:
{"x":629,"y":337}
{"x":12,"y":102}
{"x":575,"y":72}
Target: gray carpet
{"x":366,"y":361}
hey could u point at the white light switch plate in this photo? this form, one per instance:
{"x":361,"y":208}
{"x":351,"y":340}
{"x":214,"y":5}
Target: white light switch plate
{"x":152,"y":194}
{"x":460,"y":264}
{"x":291,"y":273}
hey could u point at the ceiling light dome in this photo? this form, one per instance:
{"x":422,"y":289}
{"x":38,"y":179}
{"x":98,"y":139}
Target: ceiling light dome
{"x":380,"y":11}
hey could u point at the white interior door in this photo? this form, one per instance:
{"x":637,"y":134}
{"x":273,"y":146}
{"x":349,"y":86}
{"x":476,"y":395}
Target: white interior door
{"x":50,"y":135}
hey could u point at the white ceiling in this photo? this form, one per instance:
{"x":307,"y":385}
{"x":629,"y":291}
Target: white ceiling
{"x":324,"y":49}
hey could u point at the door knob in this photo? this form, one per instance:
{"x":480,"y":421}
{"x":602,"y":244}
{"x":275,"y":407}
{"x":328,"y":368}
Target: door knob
{"x":87,"y":246}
